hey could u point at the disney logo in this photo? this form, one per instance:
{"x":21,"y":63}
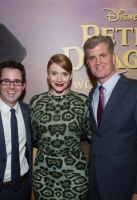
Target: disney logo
{"x":113,"y":15}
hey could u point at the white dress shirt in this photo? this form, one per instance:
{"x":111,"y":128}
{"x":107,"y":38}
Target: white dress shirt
{"x":108,"y":88}
{"x":6,"y":114}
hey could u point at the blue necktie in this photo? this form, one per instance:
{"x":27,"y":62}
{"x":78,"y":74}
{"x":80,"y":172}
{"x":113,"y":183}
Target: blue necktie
{"x":15,"y":164}
{"x":100,"y":104}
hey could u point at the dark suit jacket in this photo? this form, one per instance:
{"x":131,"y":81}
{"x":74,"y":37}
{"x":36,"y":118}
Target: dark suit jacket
{"x":113,"y":157}
{"x":3,"y":156}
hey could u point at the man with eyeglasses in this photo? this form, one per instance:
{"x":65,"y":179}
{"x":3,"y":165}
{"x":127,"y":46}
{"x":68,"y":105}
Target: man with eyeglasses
{"x":15,"y":170}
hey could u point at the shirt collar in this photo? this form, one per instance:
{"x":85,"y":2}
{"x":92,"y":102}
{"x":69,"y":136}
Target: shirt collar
{"x":6,"y":109}
{"x":110,"y":83}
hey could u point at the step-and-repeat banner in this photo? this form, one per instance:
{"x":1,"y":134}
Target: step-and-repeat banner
{"x":32,"y":31}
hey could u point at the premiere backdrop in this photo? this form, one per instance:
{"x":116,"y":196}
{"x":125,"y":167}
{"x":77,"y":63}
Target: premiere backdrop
{"x":32,"y":31}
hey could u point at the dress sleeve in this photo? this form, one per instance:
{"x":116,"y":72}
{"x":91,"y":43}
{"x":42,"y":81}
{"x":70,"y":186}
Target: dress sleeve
{"x":34,"y":123}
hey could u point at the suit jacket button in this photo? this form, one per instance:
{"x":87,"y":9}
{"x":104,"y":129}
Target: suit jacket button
{"x":4,"y":160}
{"x":93,"y":155}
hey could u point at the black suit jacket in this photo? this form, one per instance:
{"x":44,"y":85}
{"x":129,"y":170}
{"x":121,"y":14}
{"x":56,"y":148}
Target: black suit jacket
{"x":113,"y":157}
{"x":3,"y":156}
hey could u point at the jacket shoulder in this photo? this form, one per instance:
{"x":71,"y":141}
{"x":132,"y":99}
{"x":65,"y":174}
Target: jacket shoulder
{"x":24,"y":105}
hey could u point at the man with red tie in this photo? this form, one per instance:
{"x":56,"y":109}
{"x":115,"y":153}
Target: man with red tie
{"x":113,"y":117}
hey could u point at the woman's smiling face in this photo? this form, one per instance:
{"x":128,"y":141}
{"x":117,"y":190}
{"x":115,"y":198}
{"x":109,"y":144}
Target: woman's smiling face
{"x":59,"y":79}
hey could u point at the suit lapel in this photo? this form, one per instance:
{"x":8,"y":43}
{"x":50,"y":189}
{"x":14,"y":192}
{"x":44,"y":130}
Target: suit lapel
{"x":115,"y":96}
{"x":26,"y":122}
{"x":92,"y":120}
{"x":26,"y":117}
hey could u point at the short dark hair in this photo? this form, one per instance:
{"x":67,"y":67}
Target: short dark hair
{"x":92,"y":42}
{"x":14,"y":65}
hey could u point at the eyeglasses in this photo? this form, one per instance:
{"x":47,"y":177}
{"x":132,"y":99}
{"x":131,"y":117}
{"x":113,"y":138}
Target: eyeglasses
{"x":7,"y":82}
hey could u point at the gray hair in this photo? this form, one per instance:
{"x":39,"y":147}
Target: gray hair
{"x":92,"y":42}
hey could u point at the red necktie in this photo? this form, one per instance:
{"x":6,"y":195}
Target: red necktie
{"x":100,"y":104}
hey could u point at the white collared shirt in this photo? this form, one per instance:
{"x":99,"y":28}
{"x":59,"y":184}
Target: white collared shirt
{"x":6,"y":114}
{"x":108,"y":88}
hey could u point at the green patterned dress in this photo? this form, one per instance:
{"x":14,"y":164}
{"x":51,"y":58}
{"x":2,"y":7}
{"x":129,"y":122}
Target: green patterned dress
{"x":60,"y":168}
